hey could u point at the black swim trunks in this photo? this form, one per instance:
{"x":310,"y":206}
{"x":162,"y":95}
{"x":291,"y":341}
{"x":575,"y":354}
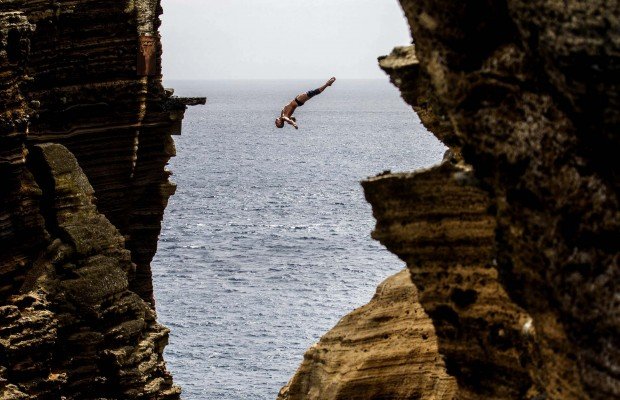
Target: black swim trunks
{"x":313,"y":93}
{"x":310,"y":94}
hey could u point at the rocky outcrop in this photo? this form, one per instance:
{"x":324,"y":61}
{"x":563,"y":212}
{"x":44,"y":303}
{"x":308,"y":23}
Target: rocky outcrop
{"x":91,"y":100}
{"x":516,"y":260}
{"x":404,"y":70}
{"x":437,"y":221}
{"x":84,"y":140}
{"x":74,"y":81}
{"x":529,"y":91}
{"x":385,"y":349}
{"x":74,"y":329}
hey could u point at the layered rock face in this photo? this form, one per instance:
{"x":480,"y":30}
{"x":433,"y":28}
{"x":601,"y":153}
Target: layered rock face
{"x":437,"y":221}
{"x":529,"y":90}
{"x":74,"y":329}
{"x":82,"y":66}
{"x":515,"y":253}
{"x":84,"y":140}
{"x":386,"y":349}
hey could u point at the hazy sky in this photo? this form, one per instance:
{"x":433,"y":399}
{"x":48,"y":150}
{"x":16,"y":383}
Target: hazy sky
{"x":272,"y":39}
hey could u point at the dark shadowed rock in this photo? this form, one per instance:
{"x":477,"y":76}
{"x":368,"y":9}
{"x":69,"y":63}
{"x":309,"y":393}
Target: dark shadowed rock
{"x":522,"y":83}
{"x":84,"y":141}
{"x":76,"y":329}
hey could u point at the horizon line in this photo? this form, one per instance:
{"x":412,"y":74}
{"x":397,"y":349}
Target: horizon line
{"x":270,"y":79}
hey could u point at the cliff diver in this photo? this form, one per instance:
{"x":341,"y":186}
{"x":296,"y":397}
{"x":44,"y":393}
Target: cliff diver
{"x":287,"y":112}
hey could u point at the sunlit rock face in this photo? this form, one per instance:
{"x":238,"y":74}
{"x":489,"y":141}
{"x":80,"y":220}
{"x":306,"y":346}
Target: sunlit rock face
{"x":84,"y":139}
{"x":385,"y":349}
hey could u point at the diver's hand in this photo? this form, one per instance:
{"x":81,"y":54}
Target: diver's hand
{"x":289,"y":121}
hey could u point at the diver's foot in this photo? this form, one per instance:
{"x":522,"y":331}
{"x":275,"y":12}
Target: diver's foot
{"x":295,"y":126}
{"x":293,"y":119}
{"x":330,"y":81}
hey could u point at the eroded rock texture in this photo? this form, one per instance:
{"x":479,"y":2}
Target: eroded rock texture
{"x":82,"y":66}
{"x":75,"y":329}
{"x":404,"y":70}
{"x":516,"y":260}
{"x":84,"y":140}
{"x":74,"y":77}
{"x":531,"y":90}
{"x":386,"y":349}
{"x":437,"y":221}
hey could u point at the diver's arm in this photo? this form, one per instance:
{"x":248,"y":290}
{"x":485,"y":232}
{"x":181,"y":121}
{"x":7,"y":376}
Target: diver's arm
{"x":289,"y":121}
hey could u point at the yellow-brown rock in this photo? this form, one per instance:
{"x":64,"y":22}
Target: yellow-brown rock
{"x":437,"y":221}
{"x":385,"y":349}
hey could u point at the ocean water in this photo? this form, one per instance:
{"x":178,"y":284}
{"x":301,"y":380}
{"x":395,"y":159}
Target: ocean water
{"x":266,"y":244}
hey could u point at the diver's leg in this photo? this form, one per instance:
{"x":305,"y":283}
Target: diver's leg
{"x":311,"y":93}
{"x":302,"y":98}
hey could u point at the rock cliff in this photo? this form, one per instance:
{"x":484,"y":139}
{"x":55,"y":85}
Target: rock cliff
{"x":529,"y":91}
{"x":513,"y":249}
{"x":437,"y":221}
{"x":85,"y":129}
{"x":391,"y":333}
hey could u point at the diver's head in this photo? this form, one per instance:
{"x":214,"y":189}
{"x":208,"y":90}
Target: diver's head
{"x":279,"y":122}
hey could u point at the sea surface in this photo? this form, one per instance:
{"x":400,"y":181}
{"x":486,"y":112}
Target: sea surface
{"x":266,"y":243}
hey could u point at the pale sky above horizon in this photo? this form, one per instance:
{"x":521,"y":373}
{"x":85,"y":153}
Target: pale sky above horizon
{"x":279,"y":39}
